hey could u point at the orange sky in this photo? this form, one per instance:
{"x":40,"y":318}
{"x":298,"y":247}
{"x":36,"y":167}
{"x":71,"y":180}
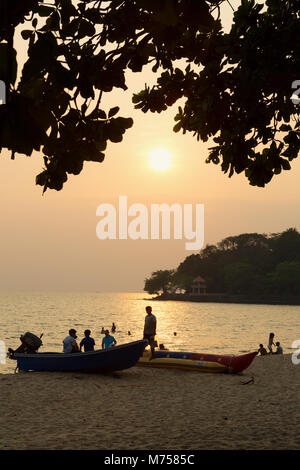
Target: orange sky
{"x":49,"y":242}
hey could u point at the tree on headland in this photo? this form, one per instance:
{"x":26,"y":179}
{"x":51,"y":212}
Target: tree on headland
{"x":242,"y":278}
{"x":286,"y":246}
{"x":80,"y":50}
{"x":159,"y":282}
{"x":249,"y":263}
{"x":285,"y":278}
{"x":180,"y":281}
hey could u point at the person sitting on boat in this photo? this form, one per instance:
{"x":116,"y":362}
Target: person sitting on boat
{"x":108,"y":340}
{"x":87,"y":342}
{"x":262,"y":351}
{"x":70,"y":344}
{"x":113,"y":328}
{"x":150,"y":329}
{"x":279,"y":349}
{"x":162,"y":347}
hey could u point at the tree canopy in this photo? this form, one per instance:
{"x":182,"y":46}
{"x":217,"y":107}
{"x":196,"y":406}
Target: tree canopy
{"x":159,"y":282}
{"x":249,"y":263}
{"x":236,"y":87}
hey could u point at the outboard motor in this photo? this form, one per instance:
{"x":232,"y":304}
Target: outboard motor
{"x":30,"y":344}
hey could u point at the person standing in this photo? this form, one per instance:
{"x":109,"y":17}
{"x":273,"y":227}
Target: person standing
{"x":69,"y":343}
{"x":271,"y":343}
{"x":150,"y":329}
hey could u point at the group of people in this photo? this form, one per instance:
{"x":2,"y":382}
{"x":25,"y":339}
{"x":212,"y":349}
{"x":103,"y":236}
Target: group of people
{"x":87,"y":343}
{"x":263,"y":352}
{"x":113,"y":329}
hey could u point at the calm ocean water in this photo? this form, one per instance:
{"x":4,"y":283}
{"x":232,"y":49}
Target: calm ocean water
{"x":207,"y":327}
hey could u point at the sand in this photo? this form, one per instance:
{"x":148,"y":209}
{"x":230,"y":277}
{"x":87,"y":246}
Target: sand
{"x":143,"y":408}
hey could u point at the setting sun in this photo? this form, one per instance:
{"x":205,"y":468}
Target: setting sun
{"x":160,"y":159}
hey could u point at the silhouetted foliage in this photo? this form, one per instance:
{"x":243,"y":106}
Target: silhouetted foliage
{"x":249,"y":263}
{"x":286,"y":246}
{"x":236,"y":86}
{"x":285,"y":279}
{"x":159,"y":282}
{"x":243,"y":278}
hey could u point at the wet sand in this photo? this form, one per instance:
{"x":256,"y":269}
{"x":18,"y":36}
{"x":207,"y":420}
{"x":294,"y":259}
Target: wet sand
{"x":144,"y":408}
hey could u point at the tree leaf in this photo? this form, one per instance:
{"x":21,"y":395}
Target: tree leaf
{"x":26,"y":33}
{"x":113,"y":111}
{"x":44,"y":10}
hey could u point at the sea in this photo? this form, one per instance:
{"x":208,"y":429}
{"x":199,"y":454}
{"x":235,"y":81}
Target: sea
{"x":181,"y":326}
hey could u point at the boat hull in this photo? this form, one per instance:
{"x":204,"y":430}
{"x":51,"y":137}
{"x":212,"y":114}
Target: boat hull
{"x":104,"y":360}
{"x":197,"y":361}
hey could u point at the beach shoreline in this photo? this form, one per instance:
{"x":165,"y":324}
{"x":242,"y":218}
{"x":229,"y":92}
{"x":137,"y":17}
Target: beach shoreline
{"x":149,"y":409}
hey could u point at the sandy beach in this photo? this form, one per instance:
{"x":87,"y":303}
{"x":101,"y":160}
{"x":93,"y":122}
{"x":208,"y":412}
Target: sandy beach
{"x":144,"y":408}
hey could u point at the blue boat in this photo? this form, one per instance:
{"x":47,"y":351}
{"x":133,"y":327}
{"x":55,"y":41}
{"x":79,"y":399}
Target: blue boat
{"x":103,"y":360}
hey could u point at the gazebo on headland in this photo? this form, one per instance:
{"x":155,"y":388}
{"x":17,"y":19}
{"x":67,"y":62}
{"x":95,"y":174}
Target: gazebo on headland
{"x":198,"y":286}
